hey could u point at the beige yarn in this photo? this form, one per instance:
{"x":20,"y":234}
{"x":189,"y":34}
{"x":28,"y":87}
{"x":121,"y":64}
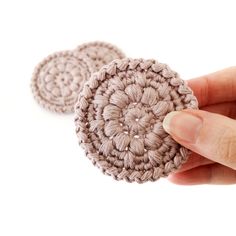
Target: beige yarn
{"x":119,"y":117}
{"x":57,"y":80}
{"x":100,"y":53}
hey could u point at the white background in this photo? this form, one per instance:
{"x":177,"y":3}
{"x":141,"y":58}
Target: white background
{"x":47,"y":185}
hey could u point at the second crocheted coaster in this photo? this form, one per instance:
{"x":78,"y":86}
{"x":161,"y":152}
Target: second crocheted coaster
{"x":100,"y":53}
{"x":58,"y":78}
{"x":119,"y":117}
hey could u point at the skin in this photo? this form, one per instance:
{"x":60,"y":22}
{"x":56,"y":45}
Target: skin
{"x":213,"y":144}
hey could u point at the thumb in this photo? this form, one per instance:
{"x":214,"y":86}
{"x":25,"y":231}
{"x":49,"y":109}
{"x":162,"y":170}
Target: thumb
{"x":208,"y":134}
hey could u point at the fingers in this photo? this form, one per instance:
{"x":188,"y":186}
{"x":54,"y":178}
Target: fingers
{"x":216,"y":87}
{"x":194,"y":161}
{"x":226,"y":109}
{"x":208,"y":174}
{"x":210,"y":135}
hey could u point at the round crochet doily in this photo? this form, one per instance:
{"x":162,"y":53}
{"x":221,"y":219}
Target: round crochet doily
{"x":58,"y":78}
{"x":119,"y":117}
{"x":100,"y":53}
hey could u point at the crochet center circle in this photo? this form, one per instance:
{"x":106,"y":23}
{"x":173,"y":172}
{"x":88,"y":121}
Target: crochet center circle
{"x":57,"y":80}
{"x":119,"y":117}
{"x":100,"y":53}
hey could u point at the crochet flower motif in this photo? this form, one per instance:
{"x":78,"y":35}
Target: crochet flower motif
{"x":58,"y":79}
{"x":119,"y":117}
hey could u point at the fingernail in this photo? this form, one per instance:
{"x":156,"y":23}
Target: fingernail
{"x":183,"y":125}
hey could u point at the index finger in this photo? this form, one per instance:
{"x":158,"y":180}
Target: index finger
{"x":216,"y":87}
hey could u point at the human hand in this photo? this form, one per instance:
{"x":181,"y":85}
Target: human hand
{"x":209,"y":132}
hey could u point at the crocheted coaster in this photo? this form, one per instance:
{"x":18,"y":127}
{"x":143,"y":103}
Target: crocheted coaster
{"x":100,"y":53}
{"x":119,"y":117}
{"x":58,"y":78}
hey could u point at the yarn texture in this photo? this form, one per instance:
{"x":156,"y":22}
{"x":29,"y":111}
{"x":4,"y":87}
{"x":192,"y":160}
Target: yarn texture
{"x":57,"y":80}
{"x":119,"y":117}
{"x":100,"y":53}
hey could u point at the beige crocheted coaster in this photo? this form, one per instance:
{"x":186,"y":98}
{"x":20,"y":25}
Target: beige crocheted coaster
{"x":100,"y":53}
{"x":119,"y":117}
{"x":58,"y":78}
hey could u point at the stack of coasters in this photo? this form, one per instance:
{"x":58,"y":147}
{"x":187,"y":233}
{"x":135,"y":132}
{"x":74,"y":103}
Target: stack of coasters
{"x":57,"y":80}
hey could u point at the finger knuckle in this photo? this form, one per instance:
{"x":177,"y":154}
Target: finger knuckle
{"x":227,"y":147}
